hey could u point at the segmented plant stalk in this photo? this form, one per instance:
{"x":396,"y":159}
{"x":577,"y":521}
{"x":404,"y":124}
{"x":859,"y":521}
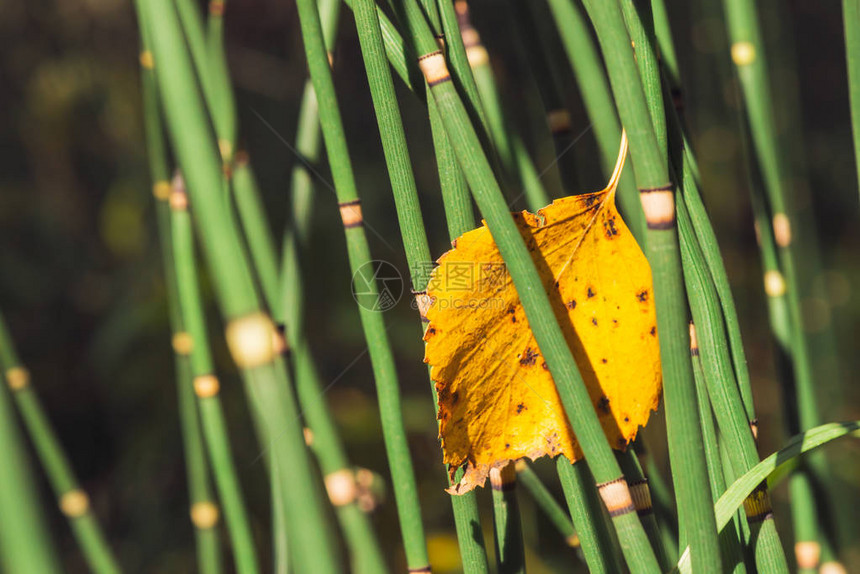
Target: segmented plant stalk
{"x":510,"y":553}
{"x":249,"y":330}
{"x":547,"y":503}
{"x":24,"y":542}
{"x":695,"y":510}
{"x":205,"y":383}
{"x":684,"y":160}
{"x":25,"y":545}
{"x":599,"y":545}
{"x":531,"y":34}
{"x":723,"y":392}
{"x":731,"y":544}
{"x":488,"y":196}
{"x":223,"y":106}
{"x":508,"y":143}
{"x":851,"y":20}
{"x":748,"y":56}
{"x":191,"y":344}
{"x":366,"y":554}
{"x":583,"y":56}
{"x":640,"y":490}
{"x":388,"y":390}
{"x":662,"y":499}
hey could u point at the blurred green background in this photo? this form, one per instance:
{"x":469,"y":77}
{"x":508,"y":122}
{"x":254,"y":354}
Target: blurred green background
{"x":80,"y":269}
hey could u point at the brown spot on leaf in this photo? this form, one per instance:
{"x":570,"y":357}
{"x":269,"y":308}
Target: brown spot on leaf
{"x":455,"y":396}
{"x":571,"y":304}
{"x":642,"y":296}
{"x":594,"y":321}
{"x":653,"y":330}
{"x":609,"y":228}
{"x":603,"y":403}
{"x":590,"y":292}
{"x":604,"y":361}
{"x":520,"y":408}
{"x":529,"y":357}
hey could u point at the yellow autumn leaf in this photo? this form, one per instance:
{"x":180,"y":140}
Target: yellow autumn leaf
{"x":497,"y":399}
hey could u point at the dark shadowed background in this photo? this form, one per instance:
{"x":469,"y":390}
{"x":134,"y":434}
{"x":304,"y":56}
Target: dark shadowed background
{"x":80,"y":269}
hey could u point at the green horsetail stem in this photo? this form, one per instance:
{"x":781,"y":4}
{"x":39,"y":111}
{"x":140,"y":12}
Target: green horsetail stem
{"x":249,"y":331}
{"x":731,"y":544}
{"x":547,"y":503}
{"x":599,"y":544}
{"x":695,"y":510}
{"x":206,"y":385}
{"x":286,"y":299}
{"x":203,"y":511}
{"x":512,"y":151}
{"x":724,"y":395}
{"x":490,"y":200}
{"x":584,"y":59}
{"x":365,"y":552}
{"x":749,"y":58}
{"x":662,"y":499}
{"x":388,"y":391}
{"x":536,"y":198}
{"x":223,"y":106}
{"x":459,"y":34}
{"x":411,"y":225}
{"x":24,"y":542}
{"x":640,"y":489}
{"x":851,"y":20}
{"x":510,"y":552}
{"x":532,"y":38}
{"x":25,"y":545}
{"x":737,"y":495}
{"x":685,"y":161}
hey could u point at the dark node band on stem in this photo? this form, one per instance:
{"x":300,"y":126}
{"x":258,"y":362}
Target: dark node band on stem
{"x":754,"y":428}
{"x":504,"y":479}
{"x":616,"y":497}
{"x":757,"y":505}
{"x":350,"y":213}
{"x":280,"y":341}
{"x":658,"y":204}
{"x":640,"y":492}
{"x":434,"y":68}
